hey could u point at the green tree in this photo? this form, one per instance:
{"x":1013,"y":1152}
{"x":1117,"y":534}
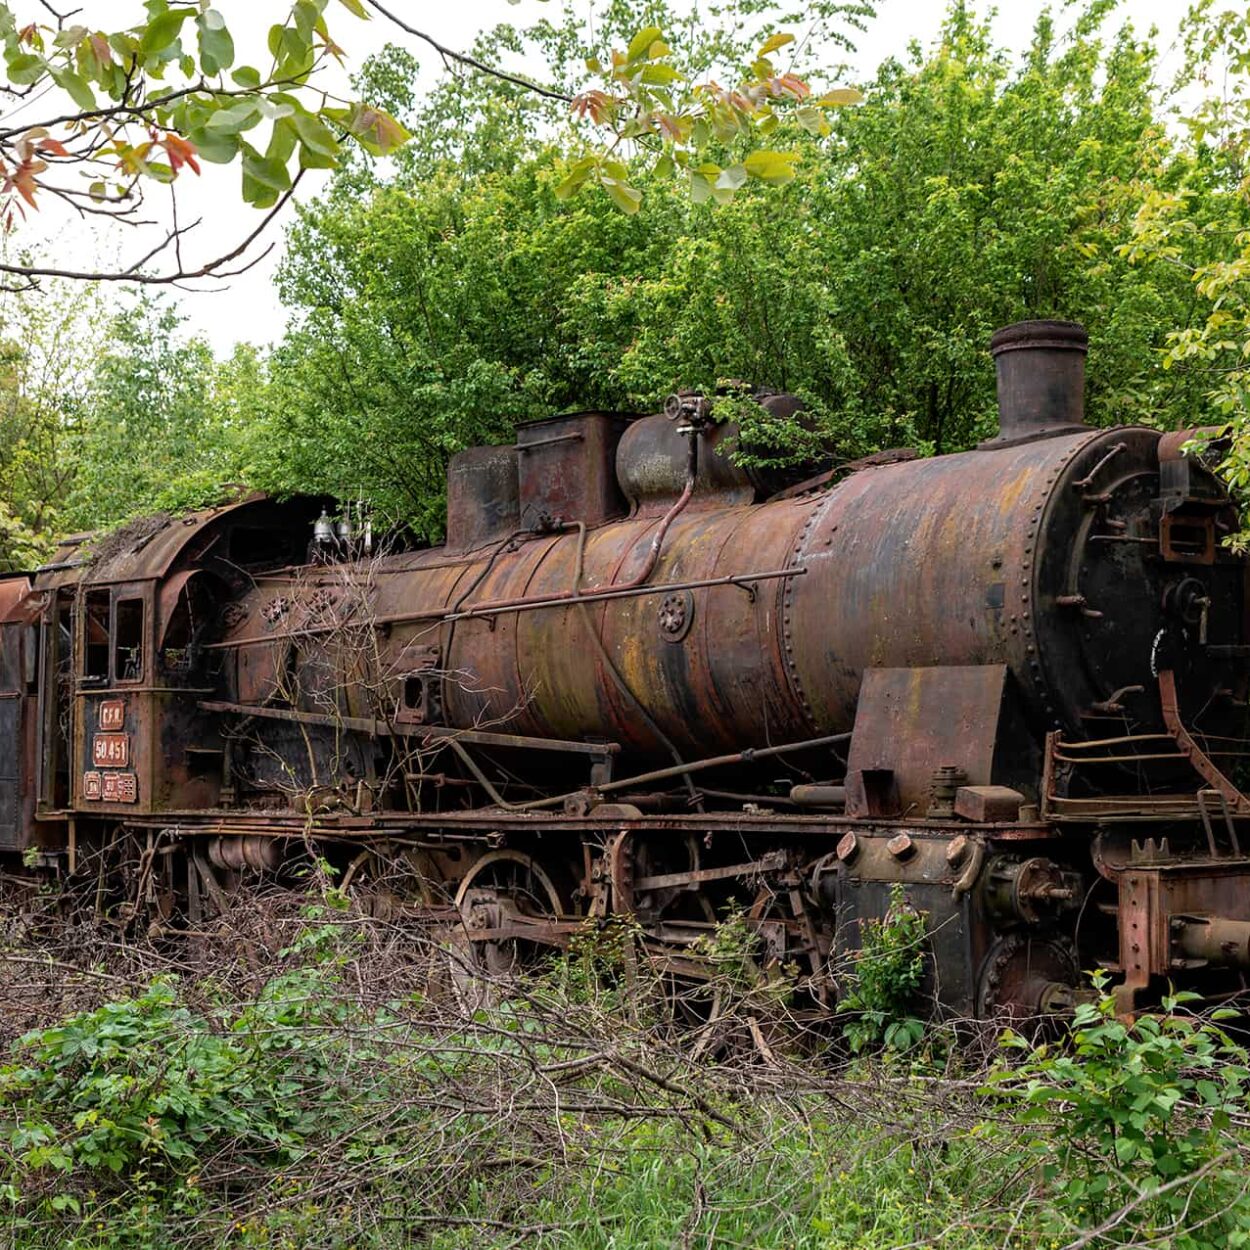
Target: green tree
{"x":121,"y":110}
{"x":48,"y":346}
{"x":465,"y":294}
{"x":160,"y":425}
{"x":1199,"y":225}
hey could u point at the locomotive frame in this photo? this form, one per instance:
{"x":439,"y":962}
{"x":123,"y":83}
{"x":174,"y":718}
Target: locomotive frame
{"x":1011,"y":681}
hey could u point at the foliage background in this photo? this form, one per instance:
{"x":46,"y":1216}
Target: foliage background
{"x":440,"y":300}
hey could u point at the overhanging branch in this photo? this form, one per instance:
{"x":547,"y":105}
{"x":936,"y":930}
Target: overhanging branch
{"x":471,"y":62}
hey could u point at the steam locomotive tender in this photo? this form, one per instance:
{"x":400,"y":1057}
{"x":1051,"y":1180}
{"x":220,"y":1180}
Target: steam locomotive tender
{"x":638,"y":679}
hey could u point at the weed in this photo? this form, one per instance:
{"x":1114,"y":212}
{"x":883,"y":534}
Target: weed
{"x":887,"y":973}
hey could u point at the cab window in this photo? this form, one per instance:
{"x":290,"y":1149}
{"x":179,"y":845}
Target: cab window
{"x":128,"y":640}
{"x":97,"y":627}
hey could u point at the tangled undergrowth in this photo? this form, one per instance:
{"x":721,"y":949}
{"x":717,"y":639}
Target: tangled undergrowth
{"x":303,"y":1078}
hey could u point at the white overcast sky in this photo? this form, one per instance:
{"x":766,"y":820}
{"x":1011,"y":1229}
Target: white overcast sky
{"x":249,"y":309}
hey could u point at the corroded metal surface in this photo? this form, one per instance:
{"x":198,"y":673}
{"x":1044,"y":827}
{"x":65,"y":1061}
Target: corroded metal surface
{"x":1005,"y":688}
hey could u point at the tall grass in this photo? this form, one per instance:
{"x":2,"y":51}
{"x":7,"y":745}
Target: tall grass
{"x":307,"y":1078}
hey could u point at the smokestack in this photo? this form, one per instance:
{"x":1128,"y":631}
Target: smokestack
{"x":1041,"y":380}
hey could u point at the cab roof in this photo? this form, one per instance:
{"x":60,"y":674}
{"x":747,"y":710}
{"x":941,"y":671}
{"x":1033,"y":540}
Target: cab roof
{"x":149,"y":548}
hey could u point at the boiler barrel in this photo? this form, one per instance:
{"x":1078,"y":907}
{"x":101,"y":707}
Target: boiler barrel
{"x":920,"y":563}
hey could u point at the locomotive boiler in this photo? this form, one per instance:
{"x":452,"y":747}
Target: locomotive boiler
{"x":639,"y":679}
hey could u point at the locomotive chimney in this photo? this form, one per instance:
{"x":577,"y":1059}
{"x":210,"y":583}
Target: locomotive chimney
{"x":1041,"y":380}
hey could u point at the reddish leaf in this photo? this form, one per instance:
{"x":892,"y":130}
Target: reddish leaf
{"x":791,"y":85}
{"x":23,"y":180}
{"x":100,"y":50}
{"x":55,"y":146}
{"x":181,"y":152}
{"x":669,"y":125}
{"x":593,"y":104}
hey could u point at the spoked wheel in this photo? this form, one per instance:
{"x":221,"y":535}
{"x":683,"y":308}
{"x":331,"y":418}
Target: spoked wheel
{"x":678,"y":914}
{"x":508,"y":904}
{"x":390,"y":884}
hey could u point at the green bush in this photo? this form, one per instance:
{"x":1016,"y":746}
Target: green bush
{"x":1131,"y":1125}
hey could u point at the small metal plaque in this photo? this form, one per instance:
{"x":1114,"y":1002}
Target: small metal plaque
{"x":120,"y":788}
{"x":110,"y":750}
{"x":92,"y":787}
{"x":112,"y":714}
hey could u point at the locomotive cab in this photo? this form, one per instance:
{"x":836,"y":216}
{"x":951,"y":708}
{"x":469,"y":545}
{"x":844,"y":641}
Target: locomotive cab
{"x":125,"y":625}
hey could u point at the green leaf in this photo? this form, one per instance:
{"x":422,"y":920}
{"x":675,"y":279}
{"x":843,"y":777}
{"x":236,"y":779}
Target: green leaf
{"x":375,"y":129}
{"x":26,"y":68}
{"x":628,"y":199}
{"x":772,"y":167}
{"x":310,"y":158}
{"x":315,"y":135}
{"x":283,"y":141}
{"x":276,"y":107}
{"x":70,"y":37}
{"x":162,"y":32}
{"x":238,"y":117}
{"x":640,"y":44}
{"x":773,"y":42}
{"x":305,"y":14}
{"x":216,"y":146}
{"x":264,"y":179}
{"x":76,"y":86}
{"x":576,"y":178}
{"x":355,"y":8}
{"x":839,"y":96}
{"x":216,"y":43}
{"x":812,"y":120}
{"x":294,"y":54}
{"x":246,"y":76}
{"x":659,"y":75}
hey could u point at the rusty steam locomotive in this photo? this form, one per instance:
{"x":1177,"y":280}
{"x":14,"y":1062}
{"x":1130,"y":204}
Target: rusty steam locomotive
{"x":640,"y":679}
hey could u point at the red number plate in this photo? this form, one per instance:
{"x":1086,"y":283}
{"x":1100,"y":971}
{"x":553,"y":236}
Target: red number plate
{"x":110,"y":750}
{"x":120,"y":788}
{"x":112,"y":714}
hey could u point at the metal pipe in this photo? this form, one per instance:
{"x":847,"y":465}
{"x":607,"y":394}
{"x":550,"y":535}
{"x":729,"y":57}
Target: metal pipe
{"x":1213,"y":939}
{"x":1115,"y":759}
{"x":743,"y":581}
{"x":599,"y":595}
{"x":1112,"y":742}
{"x":733,"y":796}
{"x":657,"y":540}
{"x":818,"y":796}
{"x":676,"y":770}
{"x":620,"y":589}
